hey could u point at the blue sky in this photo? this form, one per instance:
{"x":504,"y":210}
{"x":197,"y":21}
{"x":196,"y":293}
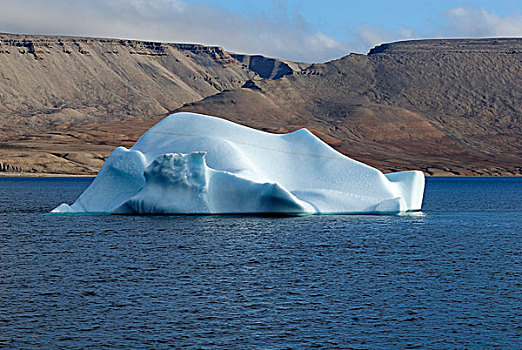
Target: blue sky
{"x":337,"y":18}
{"x":304,"y":30}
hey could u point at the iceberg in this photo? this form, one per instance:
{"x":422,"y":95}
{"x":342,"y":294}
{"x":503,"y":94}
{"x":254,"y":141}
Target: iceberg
{"x":196,"y":164}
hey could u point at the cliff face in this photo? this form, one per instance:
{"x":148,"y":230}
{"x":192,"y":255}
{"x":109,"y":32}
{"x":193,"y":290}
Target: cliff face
{"x":76,"y":80}
{"x":65,"y":102}
{"x":445,"y":106}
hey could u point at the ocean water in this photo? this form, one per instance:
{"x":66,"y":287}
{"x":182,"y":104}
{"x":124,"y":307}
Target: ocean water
{"x":447,"y":277}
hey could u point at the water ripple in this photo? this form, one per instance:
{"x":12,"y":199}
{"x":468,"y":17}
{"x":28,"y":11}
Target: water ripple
{"x":449,"y":278}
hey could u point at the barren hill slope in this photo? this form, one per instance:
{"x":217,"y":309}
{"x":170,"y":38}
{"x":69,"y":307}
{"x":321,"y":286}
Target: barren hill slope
{"x":44,"y":77}
{"x":51,"y":85}
{"x":444,"y":106}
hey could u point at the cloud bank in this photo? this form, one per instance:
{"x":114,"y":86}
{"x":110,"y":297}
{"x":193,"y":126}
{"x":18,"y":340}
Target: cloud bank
{"x":478,"y":22}
{"x":459,"y":22}
{"x":280,"y":33}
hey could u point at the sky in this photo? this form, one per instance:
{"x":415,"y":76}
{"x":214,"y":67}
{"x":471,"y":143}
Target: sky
{"x":299,"y":30}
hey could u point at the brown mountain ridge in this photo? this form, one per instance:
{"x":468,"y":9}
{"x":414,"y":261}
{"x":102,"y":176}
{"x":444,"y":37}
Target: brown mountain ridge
{"x":443,"y":106}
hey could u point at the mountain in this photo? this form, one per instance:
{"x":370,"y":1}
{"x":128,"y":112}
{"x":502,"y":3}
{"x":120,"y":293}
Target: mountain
{"x":66,"y":102}
{"x":443,"y":106}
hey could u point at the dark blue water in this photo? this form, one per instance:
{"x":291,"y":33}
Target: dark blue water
{"x":447,"y":278}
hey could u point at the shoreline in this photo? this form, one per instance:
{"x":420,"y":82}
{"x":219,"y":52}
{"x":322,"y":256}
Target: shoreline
{"x":38,"y":175}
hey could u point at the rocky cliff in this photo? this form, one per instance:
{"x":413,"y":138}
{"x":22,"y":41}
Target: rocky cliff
{"x":449,"y":107}
{"x":65,"y":102}
{"x":444,"y":106}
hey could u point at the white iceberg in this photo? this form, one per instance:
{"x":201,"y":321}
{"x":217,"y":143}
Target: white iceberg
{"x":195,"y":164}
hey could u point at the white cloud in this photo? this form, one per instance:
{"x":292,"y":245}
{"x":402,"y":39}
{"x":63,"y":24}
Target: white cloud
{"x":459,"y":22}
{"x":370,"y":36}
{"x":281,"y":34}
{"x":478,"y":22}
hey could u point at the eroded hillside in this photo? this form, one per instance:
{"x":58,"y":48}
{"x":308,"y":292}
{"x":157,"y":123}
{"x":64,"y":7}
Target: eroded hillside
{"x":66,"y":102}
{"x":444,"y":106}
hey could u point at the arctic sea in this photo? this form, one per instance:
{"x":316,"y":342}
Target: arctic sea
{"x":447,"y":277}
